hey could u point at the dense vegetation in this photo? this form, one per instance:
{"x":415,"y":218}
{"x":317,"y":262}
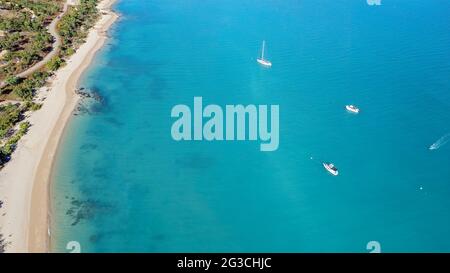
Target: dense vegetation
{"x":27,"y":15}
{"x":9,"y":115}
{"x":10,"y":145}
{"x":74,"y":26}
{"x":24,"y":89}
{"x":25,"y":38}
{"x":24,"y":41}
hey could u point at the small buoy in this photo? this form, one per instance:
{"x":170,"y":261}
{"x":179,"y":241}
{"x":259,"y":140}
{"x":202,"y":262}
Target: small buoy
{"x":421,"y":188}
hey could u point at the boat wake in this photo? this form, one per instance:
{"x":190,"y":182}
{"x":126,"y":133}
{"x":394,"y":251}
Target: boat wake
{"x":440,"y":142}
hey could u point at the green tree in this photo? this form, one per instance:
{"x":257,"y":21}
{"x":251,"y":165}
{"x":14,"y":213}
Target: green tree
{"x":12,"y":80}
{"x":54,"y":63}
{"x":24,"y":91}
{"x":9,"y":115}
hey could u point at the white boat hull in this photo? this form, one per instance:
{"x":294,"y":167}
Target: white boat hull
{"x":353,"y":110}
{"x":330,"y":170}
{"x":264,"y":62}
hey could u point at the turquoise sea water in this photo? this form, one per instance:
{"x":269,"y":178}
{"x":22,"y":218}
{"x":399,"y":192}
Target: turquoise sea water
{"x":122,"y":184}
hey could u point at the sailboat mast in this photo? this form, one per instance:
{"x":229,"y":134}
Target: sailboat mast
{"x":262,"y":54}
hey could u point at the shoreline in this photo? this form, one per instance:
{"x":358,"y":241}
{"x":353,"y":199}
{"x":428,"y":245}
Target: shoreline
{"x":25,"y":180}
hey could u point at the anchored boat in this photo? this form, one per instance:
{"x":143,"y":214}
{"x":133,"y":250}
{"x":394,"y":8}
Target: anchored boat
{"x":261,"y":60}
{"x":352,"y":108}
{"x":331,"y":168}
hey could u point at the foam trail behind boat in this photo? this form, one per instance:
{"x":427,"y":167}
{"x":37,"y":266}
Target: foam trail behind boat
{"x":440,"y":142}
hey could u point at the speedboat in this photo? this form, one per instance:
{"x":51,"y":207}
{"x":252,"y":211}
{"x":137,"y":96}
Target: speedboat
{"x":261,"y":60}
{"x":331,"y":168}
{"x":434,"y":146}
{"x":352,"y":108}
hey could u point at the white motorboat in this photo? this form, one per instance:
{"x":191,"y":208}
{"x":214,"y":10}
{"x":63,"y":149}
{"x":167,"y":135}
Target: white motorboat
{"x":331,"y":168}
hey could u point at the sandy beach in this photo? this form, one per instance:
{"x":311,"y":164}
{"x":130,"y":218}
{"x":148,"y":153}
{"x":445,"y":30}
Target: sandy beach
{"x":24,"y":182}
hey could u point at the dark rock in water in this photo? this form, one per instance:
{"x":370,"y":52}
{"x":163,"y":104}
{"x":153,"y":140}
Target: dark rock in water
{"x":158,"y":237}
{"x":86,"y":96}
{"x":88,"y":146}
{"x":86,"y":209}
{"x":80,"y":109}
{"x":94,"y":238}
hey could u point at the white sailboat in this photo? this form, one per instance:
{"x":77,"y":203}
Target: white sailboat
{"x":261,"y":60}
{"x":352,"y":108}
